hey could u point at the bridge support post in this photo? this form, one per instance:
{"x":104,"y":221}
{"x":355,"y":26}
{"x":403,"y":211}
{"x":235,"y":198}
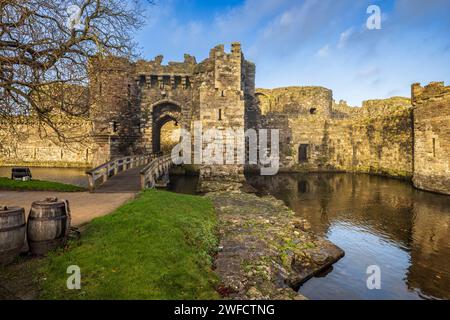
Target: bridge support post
{"x":143,"y":182}
{"x":91,"y":183}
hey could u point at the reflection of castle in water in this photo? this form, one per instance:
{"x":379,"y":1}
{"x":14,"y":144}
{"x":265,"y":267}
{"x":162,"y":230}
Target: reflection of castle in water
{"x":430,"y":253}
{"x":415,"y":221}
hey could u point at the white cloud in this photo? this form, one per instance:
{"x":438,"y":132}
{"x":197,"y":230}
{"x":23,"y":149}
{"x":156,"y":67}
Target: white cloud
{"x":343,"y":38}
{"x":286,"y":19}
{"x":324,"y":51}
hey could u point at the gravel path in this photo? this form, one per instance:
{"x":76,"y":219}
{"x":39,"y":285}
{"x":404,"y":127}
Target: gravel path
{"x":84,"y":206}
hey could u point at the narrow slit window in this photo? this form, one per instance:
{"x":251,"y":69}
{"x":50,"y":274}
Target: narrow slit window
{"x":434,"y":147}
{"x":220,"y":114}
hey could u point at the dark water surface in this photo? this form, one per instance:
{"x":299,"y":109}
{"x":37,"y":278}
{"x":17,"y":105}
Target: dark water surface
{"x":75,"y":176}
{"x":183,"y":184}
{"x":376,"y":221}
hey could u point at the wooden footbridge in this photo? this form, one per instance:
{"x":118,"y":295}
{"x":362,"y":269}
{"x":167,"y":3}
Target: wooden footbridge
{"x":129,"y":174}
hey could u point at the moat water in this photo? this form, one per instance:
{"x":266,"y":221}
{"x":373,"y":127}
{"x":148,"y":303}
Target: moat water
{"x":375,"y":220}
{"x":74,"y":176}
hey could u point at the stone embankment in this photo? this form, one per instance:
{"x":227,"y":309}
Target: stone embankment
{"x":265,"y":250}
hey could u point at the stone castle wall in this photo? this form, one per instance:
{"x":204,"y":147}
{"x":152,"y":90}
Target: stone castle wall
{"x":130,"y":102}
{"x":317,"y":134}
{"x":377,"y":139}
{"x":25,"y":143}
{"x":432,"y":137}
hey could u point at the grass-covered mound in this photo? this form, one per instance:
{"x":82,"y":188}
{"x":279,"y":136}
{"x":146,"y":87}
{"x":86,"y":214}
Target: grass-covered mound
{"x":37,"y":185}
{"x":157,"y":246}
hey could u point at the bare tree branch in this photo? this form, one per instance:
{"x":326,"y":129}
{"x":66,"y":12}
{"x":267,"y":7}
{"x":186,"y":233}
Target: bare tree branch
{"x":45,"y":47}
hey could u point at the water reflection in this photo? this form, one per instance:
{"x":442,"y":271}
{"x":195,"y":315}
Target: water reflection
{"x":377,"y":221}
{"x":183,"y":184}
{"x":75,"y":176}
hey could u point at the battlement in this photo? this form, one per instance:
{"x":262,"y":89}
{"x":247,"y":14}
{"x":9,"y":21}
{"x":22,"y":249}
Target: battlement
{"x":434,"y":90}
{"x":155,"y":67}
{"x":219,"y":50}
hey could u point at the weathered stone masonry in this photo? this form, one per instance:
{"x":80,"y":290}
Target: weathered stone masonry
{"x":319,"y":135}
{"x":432,"y":137}
{"x":131,"y":102}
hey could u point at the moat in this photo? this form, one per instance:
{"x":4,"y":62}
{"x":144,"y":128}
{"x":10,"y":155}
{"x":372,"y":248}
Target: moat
{"x":375,"y":220}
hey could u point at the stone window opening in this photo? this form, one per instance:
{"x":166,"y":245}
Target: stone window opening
{"x":303,"y":153}
{"x":313,"y":110}
{"x":100,"y":88}
{"x":166,"y":81}
{"x":141,"y":80}
{"x":434,"y":147}
{"x":153,"y":81}
{"x":220,"y":114}
{"x":114,"y":126}
{"x":177,"y":81}
{"x":129,"y":95}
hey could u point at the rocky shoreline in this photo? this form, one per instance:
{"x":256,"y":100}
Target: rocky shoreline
{"x":265,"y":250}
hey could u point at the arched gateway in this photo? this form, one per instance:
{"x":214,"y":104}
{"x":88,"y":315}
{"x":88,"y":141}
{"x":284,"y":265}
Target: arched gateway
{"x":141,"y":97}
{"x":162,"y":113}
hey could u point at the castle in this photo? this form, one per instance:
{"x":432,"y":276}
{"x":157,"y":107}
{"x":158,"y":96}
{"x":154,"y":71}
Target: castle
{"x":132,"y":101}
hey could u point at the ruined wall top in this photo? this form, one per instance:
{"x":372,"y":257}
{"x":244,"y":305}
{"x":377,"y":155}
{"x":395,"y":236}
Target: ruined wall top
{"x":434,"y":90}
{"x":156,"y":67}
{"x":296,"y":100}
{"x":219,"y":50}
{"x":375,"y":108}
{"x":384,"y":107}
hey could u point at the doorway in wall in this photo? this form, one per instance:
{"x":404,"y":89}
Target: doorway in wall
{"x":303,"y":153}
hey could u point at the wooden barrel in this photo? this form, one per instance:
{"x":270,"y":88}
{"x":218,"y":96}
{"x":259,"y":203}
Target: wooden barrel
{"x":12,"y":233}
{"x":48,"y":225}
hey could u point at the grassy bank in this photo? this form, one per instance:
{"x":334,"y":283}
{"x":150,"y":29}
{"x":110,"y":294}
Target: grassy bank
{"x":157,"y":246}
{"x":37,"y":185}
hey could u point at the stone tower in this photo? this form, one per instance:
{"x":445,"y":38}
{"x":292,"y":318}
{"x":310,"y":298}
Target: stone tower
{"x":113,"y":107}
{"x":431,"y":137}
{"x":222,"y":107}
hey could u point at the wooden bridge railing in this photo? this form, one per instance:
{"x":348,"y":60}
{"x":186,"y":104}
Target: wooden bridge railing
{"x":155,"y":169}
{"x":111,"y":168}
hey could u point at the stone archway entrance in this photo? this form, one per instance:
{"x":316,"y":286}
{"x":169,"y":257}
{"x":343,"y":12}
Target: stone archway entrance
{"x":163,"y":113}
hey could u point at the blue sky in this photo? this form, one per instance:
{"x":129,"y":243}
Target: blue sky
{"x":312,"y":42}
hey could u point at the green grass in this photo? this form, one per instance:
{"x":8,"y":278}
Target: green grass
{"x":158,"y":246}
{"x":37,"y":185}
